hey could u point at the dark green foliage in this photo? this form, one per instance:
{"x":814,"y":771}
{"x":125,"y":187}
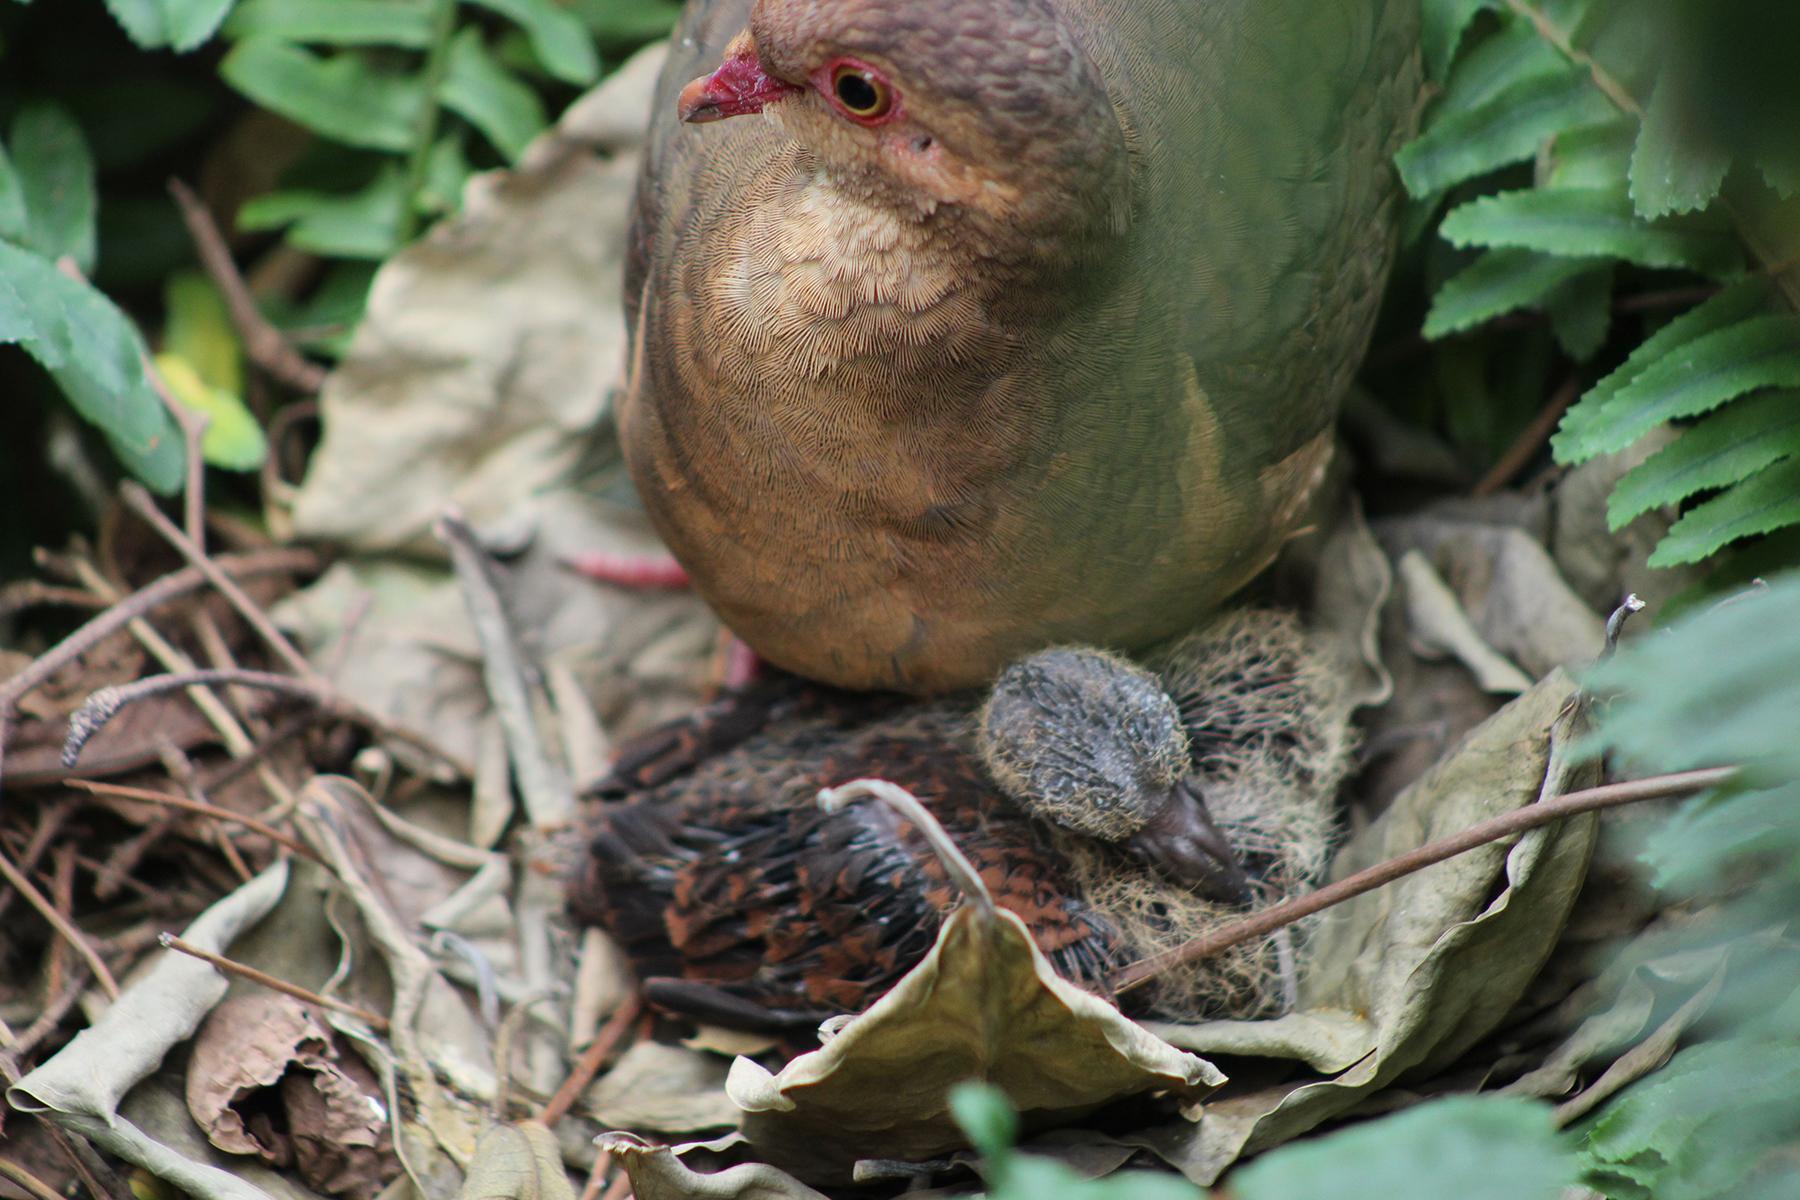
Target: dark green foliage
{"x":1646,"y":130}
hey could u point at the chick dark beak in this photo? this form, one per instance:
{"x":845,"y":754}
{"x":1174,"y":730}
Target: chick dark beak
{"x":740,"y":86}
{"x":1183,"y":842}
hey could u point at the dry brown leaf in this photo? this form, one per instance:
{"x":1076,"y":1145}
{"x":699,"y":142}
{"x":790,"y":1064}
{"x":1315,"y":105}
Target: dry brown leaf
{"x":517,"y":1162}
{"x":269,"y":1077}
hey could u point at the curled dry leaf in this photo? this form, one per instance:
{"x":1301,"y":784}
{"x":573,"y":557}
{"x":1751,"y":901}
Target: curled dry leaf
{"x":269,"y":1077}
{"x":658,"y":1173}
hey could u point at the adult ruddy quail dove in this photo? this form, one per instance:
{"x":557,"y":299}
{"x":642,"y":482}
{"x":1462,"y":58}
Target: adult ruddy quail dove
{"x":996,"y":324}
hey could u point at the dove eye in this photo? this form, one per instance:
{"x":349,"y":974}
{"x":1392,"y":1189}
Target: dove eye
{"x":861,"y":93}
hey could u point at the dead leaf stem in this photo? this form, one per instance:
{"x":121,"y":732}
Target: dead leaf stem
{"x":231,"y":967}
{"x":266,"y":345}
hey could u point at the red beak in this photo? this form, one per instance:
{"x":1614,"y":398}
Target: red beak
{"x":739,"y":86}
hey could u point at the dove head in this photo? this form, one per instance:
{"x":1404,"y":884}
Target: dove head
{"x":984,"y":107}
{"x":1091,"y":742}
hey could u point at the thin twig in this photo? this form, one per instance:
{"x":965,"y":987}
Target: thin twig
{"x":266,"y":345}
{"x":231,"y":967}
{"x":596,"y":1177}
{"x":193,"y":434}
{"x":197,"y":806}
{"x":588,"y":1065}
{"x":38,"y":1189}
{"x":144,"y":601}
{"x":106,"y":703}
{"x":1531,"y":439}
{"x":1507,"y":824}
{"x":141,"y":502}
{"x":619,"y":1188}
{"x":64,"y":928}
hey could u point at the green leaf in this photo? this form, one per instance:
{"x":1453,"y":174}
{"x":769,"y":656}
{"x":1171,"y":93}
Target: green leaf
{"x":96,"y":357}
{"x":1496,"y":63}
{"x":558,"y":38}
{"x":198,"y":330}
{"x":1699,"y":1127}
{"x":1758,"y":352}
{"x":1441,"y":26}
{"x":1766,"y":501}
{"x":985,"y":1115}
{"x":1471,"y":1148}
{"x":1575,"y":439}
{"x":1499,"y":282}
{"x":404,"y":23}
{"x":56,"y":183}
{"x":1588,"y":221}
{"x":178,"y":24}
{"x":1506,"y":129}
{"x":14,"y":222}
{"x":364,"y":224}
{"x":1580,"y":311}
{"x":342,"y":97}
{"x":1673,"y":167}
{"x":482,"y":92}
{"x":1595,"y":157}
{"x":1725,"y":447}
{"x":627,"y":22}
{"x":1720,"y":686}
{"x":233,"y":440}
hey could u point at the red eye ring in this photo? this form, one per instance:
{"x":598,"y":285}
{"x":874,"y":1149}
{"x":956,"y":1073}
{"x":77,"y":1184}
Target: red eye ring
{"x":859,"y":92}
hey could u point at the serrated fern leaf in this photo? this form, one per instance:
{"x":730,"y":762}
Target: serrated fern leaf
{"x":1730,"y":445}
{"x":1673,"y":169}
{"x":1499,"y":282}
{"x":1576,"y":438}
{"x":1580,"y":311}
{"x":1759,"y":352}
{"x":1589,"y":221}
{"x":1508,"y":128}
{"x":1767,"y":501}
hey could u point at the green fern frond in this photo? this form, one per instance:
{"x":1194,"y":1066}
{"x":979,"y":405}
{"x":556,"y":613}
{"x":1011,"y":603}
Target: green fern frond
{"x":1622,"y":185}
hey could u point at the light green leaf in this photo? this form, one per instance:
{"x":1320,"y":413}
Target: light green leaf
{"x":1673,"y":167}
{"x":1588,"y":221}
{"x":1759,"y":352}
{"x":984,"y":1114}
{"x":481,"y":91}
{"x":1720,"y":686}
{"x":233,"y":440}
{"x":364,"y":224}
{"x":1729,"y":445}
{"x":178,"y":24}
{"x":558,"y":38}
{"x":1471,"y":1148}
{"x":1441,"y":25}
{"x":198,"y":330}
{"x":96,"y":357}
{"x":1766,"y":501}
{"x":1595,"y":157}
{"x":55,"y":175}
{"x":405,"y":23}
{"x":1700,"y":1127}
{"x":1499,"y":282}
{"x":1509,"y":128}
{"x":342,"y":97}
{"x":1575,"y":439}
